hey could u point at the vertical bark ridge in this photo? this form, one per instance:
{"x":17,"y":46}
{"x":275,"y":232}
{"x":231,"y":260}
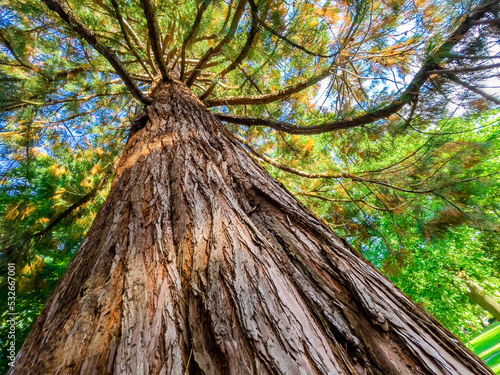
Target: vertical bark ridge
{"x":199,"y":261}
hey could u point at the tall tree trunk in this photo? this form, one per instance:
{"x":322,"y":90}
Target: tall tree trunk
{"x":201,"y":262}
{"x":478,"y":295}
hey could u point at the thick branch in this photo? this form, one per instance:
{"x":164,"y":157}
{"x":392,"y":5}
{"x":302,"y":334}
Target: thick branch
{"x":121,"y":21}
{"x":155,"y":40}
{"x":315,"y":129}
{"x":470,"y":57}
{"x":269,"y":98}
{"x":244,"y":51}
{"x":68,"y":16}
{"x":192,"y":33}
{"x":9,"y":46}
{"x":240,"y":9}
{"x":409,"y":95}
{"x":477,"y":294}
{"x":486,"y":22}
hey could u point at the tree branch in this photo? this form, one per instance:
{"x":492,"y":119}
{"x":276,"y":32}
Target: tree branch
{"x":407,"y":96}
{"x":224,"y":25}
{"x":486,"y":22}
{"x":91,"y":194}
{"x":240,"y":9}
{"x":296,"y":172}
{"x":469,"y":57}
{"x":269,"y":98}
{"x":68,"y":16}
{"x":26,"y":102}
{"x":121,"y":21}
{"x":315,"y":129}
{"x":125,"y":23}
{"x":155,"y":40}
{"x":485,"y":95}
{"x":285,"y":39}
{"x":463,"y":70}
{"x":23,"y":63}
{"x":283,"y":167}
{"x":190,"y":36}
{"x":305,"y":194}
{"x":352,"y":177}
{"x":387,"y":209}
{"x":244,"y":51}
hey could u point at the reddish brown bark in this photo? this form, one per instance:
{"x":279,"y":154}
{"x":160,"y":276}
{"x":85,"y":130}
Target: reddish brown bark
{"x":199,"y":261}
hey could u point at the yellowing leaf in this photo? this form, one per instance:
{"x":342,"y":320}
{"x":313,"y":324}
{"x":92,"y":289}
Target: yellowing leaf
{"x":58,"y":170}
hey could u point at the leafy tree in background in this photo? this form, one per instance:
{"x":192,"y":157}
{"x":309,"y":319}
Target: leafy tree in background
{"x":59,"y":186}
{"x":199,"y":261}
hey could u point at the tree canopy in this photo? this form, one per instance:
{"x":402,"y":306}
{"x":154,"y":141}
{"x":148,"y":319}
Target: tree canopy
{"x":378,"y":115}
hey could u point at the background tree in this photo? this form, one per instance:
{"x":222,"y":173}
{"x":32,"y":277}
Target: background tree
{"x":64,"y":74}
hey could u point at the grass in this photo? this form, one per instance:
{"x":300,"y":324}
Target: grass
{"x":487,"y":346}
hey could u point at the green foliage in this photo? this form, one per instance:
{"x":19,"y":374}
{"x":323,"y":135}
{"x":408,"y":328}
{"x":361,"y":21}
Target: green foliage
{"x":430,"y":274}
{"x":37,"y":189}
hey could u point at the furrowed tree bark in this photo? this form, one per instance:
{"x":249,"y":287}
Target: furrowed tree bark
{"x":201,"y":262}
